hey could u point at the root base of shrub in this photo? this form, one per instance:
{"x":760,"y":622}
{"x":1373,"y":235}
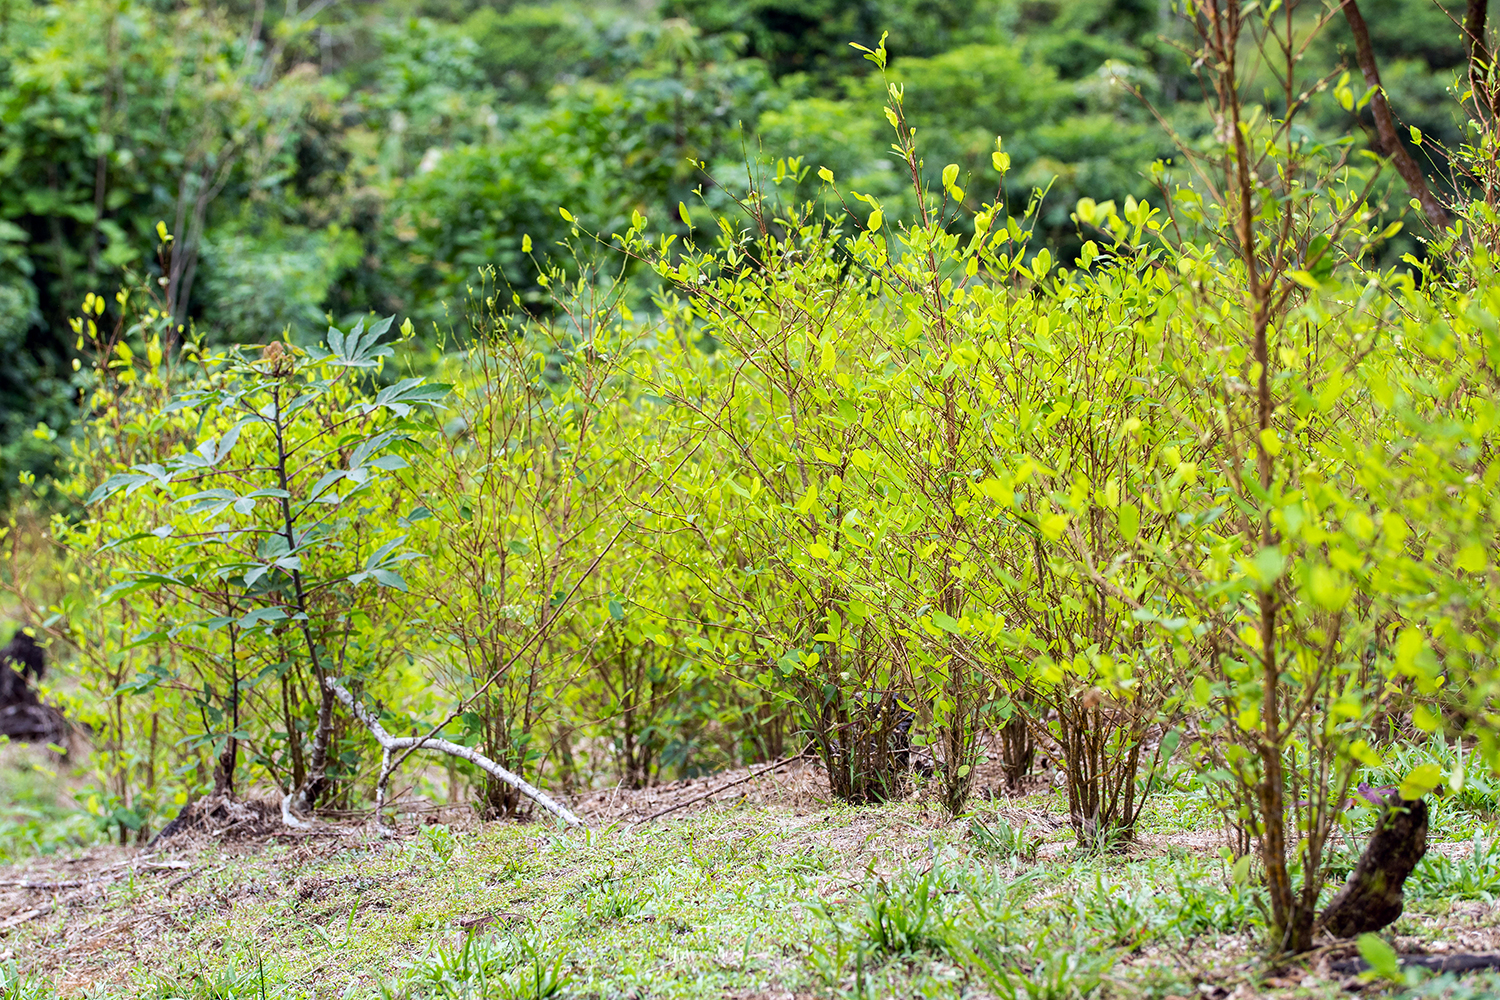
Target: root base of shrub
{"x":1372,"y":898}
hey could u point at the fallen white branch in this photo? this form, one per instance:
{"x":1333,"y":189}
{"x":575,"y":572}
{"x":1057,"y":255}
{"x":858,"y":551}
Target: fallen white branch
{"x":385,"y":776}
{"x":388,"y":743}
{"x":288,"y":818}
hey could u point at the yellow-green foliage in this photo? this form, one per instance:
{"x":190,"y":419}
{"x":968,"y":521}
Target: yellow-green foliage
{"x":851,"y":466}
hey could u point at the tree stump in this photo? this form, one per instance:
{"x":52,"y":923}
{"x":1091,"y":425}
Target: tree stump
{"x":33,"y":722}
{"x":23,"y":716}
{"x":1372,"y":898}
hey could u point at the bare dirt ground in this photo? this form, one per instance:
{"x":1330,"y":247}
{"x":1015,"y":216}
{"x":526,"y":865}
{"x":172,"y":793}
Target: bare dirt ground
{"x":799,"y":785}
{"x":84,"y":919}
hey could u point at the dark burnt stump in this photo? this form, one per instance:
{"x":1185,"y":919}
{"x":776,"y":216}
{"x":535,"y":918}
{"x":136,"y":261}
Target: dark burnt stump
{"x":25,"y":656}
{"x":34,"y":723}
{"x":23,"y":717}
{"x":19,"y":659}
{"x":1372,"y":897}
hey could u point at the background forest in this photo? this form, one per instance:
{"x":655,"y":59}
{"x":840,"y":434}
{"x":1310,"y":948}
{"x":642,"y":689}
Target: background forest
{"x":606,"y":395}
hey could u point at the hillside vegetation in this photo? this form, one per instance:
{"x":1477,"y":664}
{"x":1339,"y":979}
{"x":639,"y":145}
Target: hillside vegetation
{"x":642,"y":450}
{"x":320,"y":161}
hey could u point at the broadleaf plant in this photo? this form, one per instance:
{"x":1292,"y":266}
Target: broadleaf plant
{"x":268,"y":549}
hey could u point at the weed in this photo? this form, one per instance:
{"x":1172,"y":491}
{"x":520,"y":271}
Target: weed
{"x":246,"y":979}
{"x":434,"y":843}
{"x":17,"y":985}
{"x":1067,"y":975}
{"x":332,"y":943}
{"x":1479,"y":791}
{"x":1451,"y":987}
{"x":998,"y":838}
{"x":903,"y":918}
{"x":1046,"y":970}
{"x":907,"y":916}
{"x":1201,"y":907}
{"x":481,"y":967}
{"x":1123,"y":918}
{"x":1474,"y":877}
{"x":834,"y":951}
{"x":31,"y":820}
{"x":609,"y":900}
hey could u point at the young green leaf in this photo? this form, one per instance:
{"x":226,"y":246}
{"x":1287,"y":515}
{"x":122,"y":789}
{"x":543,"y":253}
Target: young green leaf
{"x":1380,"y":956}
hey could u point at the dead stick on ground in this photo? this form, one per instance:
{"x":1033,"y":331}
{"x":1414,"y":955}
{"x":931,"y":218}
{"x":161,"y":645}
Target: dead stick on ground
{"x":179,"y":880}
{"x":725,"y":787}
{"x":114,"y":874}
{"x":389,"y":743}
{"x":21,"y":918}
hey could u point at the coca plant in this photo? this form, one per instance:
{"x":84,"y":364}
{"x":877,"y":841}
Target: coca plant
{"x":1320,"y":407}
{"x":887,"y":491}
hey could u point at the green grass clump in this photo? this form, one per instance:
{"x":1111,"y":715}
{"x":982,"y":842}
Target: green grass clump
{"x":510,"y":966}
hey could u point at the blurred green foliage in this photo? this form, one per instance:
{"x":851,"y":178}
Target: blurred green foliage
{"x":34,"y":818}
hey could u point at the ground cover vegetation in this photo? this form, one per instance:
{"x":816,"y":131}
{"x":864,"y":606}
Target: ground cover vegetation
{"x":915,"y":448}
{"x":807,"y":899}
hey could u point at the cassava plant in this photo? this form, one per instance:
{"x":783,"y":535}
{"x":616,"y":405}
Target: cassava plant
{"x":266,"y":545}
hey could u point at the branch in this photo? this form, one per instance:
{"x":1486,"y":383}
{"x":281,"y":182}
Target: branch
{"x":1385,"y":125}
{"x":288,"y":818}
{"x":806,"y":751}
{"x":388,"y":743}
{"x":1486,"y":96}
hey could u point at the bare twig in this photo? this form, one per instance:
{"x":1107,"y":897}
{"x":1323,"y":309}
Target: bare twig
{"x":110,"y":874}
{"x":1385,"y":125}
{"x":1481,"y":68}
{"x":806,"y":752}
{"x":22,"y":918}
{"x":117,"y":872}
